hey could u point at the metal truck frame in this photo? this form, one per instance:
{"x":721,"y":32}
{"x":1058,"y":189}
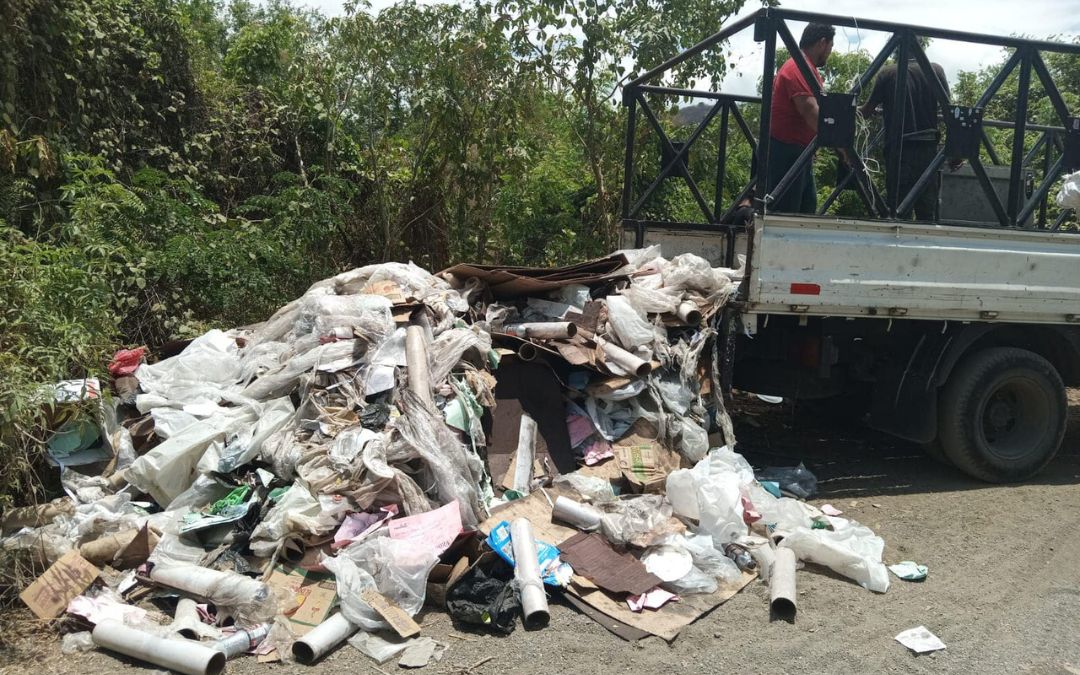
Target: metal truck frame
{"x":959,"y":338}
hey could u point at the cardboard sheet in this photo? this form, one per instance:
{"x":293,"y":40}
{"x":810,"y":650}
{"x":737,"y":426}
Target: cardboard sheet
{"x":536,"y":508}
{"x":507,"y":281}
{"x":669,"y":619}
{"x":643,"y":459}
{"x":50,"y":593}
{"x":315,"y":593}
{"x":593,"y":557}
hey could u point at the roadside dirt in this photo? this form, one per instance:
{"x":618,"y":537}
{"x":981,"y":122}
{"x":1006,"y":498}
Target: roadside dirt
{"x":1003,"y":590}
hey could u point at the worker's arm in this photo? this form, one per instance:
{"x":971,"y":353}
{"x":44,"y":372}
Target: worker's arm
{"x":807,"y":107}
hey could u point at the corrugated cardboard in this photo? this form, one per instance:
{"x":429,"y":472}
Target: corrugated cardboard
{"x":314,"y":592}
{"x":48,"y":596}
{"x":642,"y":458}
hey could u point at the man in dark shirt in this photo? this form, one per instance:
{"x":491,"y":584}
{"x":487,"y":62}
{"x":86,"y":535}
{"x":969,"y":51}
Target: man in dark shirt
{"x":920,"y":141}
{"x":793,"y":121}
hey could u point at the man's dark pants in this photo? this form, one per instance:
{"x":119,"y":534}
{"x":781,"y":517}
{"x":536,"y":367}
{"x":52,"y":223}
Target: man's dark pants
{"x":801,"y":195}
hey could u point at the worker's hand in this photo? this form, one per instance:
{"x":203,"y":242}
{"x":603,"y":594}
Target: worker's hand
{"x":955,"y":164}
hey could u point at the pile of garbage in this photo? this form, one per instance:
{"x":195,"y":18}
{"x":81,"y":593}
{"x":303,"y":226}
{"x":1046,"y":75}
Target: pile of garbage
{"x":482,"y":441}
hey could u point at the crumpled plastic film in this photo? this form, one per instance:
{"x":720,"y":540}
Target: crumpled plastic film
{"x":328,"y":315}
{"x":249,"y":601}
{"x":207,"y":367}
{"x":652,"y":301}
{"x":445,"y":455}
{"x":638,"y":520}
{"x":628,"y":324}
{"x":296,"y":511}
{"x":447,"y":350}
{"x":853,"y":551}
{"x":711,"y":493}
{"x":397,"y":568}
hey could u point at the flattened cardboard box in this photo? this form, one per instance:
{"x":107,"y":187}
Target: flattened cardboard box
{"x":642,"y":458}
{"x":315,"y":592}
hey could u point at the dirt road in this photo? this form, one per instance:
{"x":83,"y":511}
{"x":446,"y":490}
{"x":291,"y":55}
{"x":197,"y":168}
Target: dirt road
{"x":1003,"y":591}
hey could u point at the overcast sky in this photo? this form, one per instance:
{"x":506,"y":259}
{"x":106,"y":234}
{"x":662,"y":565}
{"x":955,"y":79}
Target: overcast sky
{"x":1034,"y":18}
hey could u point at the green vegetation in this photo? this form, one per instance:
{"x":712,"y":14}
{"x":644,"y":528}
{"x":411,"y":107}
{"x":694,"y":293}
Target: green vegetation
{"x":169,"y":165}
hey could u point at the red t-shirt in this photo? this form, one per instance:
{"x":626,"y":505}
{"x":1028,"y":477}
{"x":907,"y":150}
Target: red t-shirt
{"x":787,"y":124}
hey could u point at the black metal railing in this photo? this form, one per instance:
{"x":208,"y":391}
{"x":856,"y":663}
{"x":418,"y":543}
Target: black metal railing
{"x":1059,"y":145}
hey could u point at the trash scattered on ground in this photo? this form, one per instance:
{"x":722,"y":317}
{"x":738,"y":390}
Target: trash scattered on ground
{"x":920,"y":640}
{"x":830,"y":510}
{"x":483,"y":441}
{"x":909,"y":571}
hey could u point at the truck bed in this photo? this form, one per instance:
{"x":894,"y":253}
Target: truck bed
{"x":830,"y":267}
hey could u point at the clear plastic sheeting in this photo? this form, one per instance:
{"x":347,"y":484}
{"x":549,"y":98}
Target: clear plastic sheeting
{"x":852,"y":550}
{"x":628,"y":323}
{"x":396,"y":568}
{"x":208,"y":366}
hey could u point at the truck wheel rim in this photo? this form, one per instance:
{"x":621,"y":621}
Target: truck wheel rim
{"x":1014,"y":417}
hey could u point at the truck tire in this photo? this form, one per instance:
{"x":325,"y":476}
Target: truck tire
{"x":1002,"y":414}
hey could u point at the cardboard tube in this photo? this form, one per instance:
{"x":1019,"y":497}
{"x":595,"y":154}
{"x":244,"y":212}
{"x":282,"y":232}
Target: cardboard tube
{"x":526,"y":454}
{"x":689,"y":313}
{"x":322,"y":639}
{"x":527,"y":351}
{"x":182,"y":656}
{"x":543,"y":330}
{"x":185,"y":618}
{"x":782,"y":584}
{"x":765,"y":557}
{"x":418,"y":369}
{"x":35,"y":516}
{"x":527,"y":572}
{"x":242,"y":641}
{"x":102,"y":551}
{"x":581,"y":516}
{"x":622,"y":358}
{"x":224,"y":589}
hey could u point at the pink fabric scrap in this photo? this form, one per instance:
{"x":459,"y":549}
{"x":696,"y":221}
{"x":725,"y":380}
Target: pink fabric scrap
{"x":750,"y":515}
{"x":598,"y":451}
{"x":831,"y":510}
{"x":654,"y":599}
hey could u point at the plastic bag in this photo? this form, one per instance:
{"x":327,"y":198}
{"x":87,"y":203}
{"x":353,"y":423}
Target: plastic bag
{"x":1069,"y":195}
{"x":641,"y":520}
{"x":245,"y":445}
{"x":692,"y":272}
{"x":711,"y":493}
{"x":487,"y":599}
{"x":628,"y":324}
{"x":207,"y":366}
{"x":296,"y":511}
{"x":591,"y":488}
{"x":397,"y":568}
{"x":653,"y":301}
{"x":711,"y":560}
{"x":853,"y":551}
{"x":73,"y":643}
{"x":782,"y":514}
{"x":794,"y":479}
{"x":169,"y":469}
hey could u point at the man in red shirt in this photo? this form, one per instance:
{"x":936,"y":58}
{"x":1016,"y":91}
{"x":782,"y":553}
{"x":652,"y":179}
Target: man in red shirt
{"x":794,"y":120}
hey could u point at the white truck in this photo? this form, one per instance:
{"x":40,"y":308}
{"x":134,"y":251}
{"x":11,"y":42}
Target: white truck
{"x":961,"y":333}
{"x":962,"y":339}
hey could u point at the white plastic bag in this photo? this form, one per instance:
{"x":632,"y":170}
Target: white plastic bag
{"x":397,"y":568}
{"x":629,"y":326}
{"x":853,"y":551}
{"x":1069,"y":195}
{"x":711,"y":493}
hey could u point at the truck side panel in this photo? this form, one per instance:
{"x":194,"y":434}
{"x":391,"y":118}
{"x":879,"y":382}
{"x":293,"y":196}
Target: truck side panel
{"x":829,"y":267}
